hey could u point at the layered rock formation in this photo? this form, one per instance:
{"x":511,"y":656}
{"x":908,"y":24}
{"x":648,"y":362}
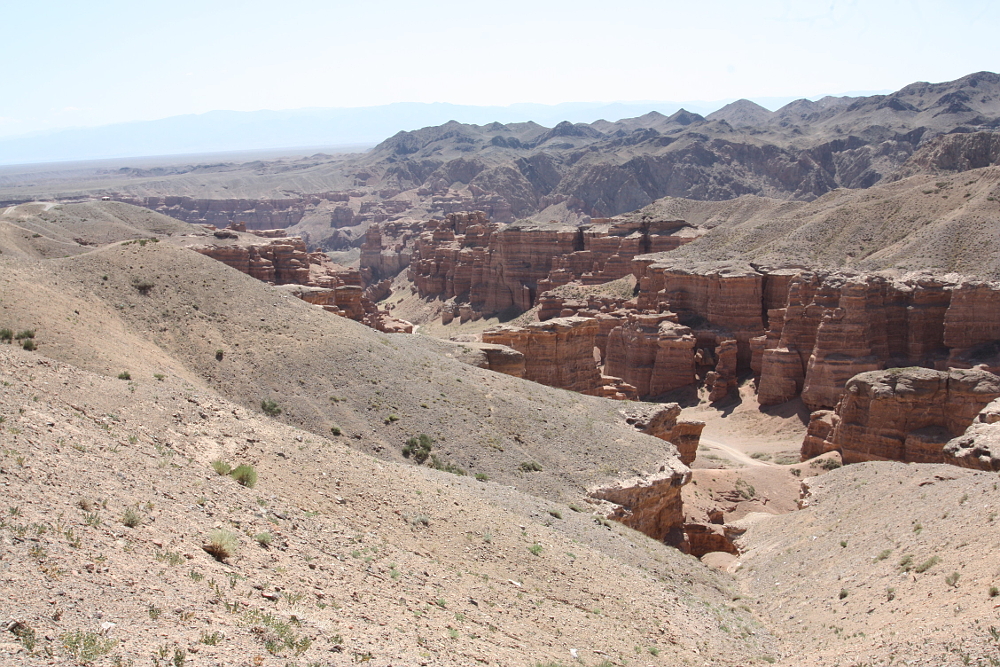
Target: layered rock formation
{"x":662,"y":421}
{"x":902,"y":414}
{"x":979,"y":446}
{"x":311,"y":276}
{"x":493,"y":267}
{"x":651,"y":504}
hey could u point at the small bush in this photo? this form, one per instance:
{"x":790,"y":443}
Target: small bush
{"x":446,"y":466}
{"x":6,"y":335}
{"x":555,"y":513}
{"x":890,"y":594}
{"x":927,"y":564}
{"x":419,"y":448}
{"x":482,"y":477}
{"x":29,"y":345}
{"x":221,"y":467}
{"x":391,"y":418}
{"x":270,"y":408}
{"x":263,"y":539}
{"x":143,"y":285}
{"x":826,"y":464}
{"x":536,"y":549}
{"x":131,"y":518}
{"x":124,"y":375}
{"x":952,"y":579}
{"x":335,"y":430}
{"x":245,"y":475}
{"x":883,"y":555}
{"x":159,"y":376}
{"x":796,"y":472}
{"x":86,"y":647}
{"x":906,"y":563}
{"x":219,"y":354}
{"x":994,"y":591}
{"x":842,"y":594}
{"x":221,"y":544}
{"x":24,"y":335}
{"x":530,"y":466}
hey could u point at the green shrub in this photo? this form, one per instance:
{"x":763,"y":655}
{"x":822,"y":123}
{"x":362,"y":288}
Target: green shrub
{"x":270,"y":408}
{"x":263,"y":539}
{"x":446,"y":466}
{"x":131,"y":518}
{"x":335,"y":430}
{"x":883,"y":555}
{"x":482,"y":477}
{"x":530,"y":466}
{"x":6,"y":335}
{"x":124,"y":375}
{"x":536,"y":549}
{"x":419,"y":448}
{"x":221,"y":544}
{"x":245,"y":475}
{"x":952,"y":579}
{"x":29,"y":345}
{"x":927,"y":564}
{"x":221,"y":467}
{"x":159,"y":376}
{"x":143,"y":285}
{"x":23,"y":335}
{"x":994,"y":591}
{"x":86,"y":647}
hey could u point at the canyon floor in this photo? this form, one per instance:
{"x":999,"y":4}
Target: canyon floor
{"x":153,"y":362}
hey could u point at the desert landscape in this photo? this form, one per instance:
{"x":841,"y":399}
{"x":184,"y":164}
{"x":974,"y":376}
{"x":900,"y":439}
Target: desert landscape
{"x":678,"y":390}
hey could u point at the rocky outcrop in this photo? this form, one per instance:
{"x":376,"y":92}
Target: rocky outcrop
{"x":309,"y":276}
{"x":662,"y":421}
{"x":902,"y":414}
{"x":650,"y":504}
{"x":493,"y":267}
{"x":557,"y":353}
{"x":979,"y":446}
{"x":652,"y":352}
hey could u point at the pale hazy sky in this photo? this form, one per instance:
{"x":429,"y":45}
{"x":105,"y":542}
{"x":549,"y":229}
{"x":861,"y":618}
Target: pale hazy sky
{"x":73,"y":63}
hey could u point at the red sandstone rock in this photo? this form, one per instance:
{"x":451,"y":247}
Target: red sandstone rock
{"x":652,"y":352}
{"x":903,"y":414}
{"x":558,"y":353}
{"x":979,"y":446}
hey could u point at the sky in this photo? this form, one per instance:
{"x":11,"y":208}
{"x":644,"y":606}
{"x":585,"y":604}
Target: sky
{"x":70,"y":64}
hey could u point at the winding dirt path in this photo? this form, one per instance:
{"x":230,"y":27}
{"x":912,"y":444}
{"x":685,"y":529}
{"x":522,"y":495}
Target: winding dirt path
{"x":734,"y":454}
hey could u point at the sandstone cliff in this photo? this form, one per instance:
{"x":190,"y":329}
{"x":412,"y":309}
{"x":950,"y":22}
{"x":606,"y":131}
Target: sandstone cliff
{"x":902,"y":414}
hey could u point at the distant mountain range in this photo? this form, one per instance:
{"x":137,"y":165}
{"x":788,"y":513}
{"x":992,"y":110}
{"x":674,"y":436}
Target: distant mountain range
{"x":316,"y":128}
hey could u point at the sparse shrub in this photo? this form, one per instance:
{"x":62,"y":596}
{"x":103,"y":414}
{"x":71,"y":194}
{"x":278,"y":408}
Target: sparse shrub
{"x":843,"y":544}
{"x":210,"y":639}
{"x":482,"y":477}
{"x":890,"y":594}
{"x":420,"y":520}
{"x":124,"y":375}
{"x":796,"y":472}
{"x":245,"y":475}
{"x":159,"y":376}
{"x":883,"y":555}
{"x":263,"y":539}
{"x":762,"y":456}
{"x":952,"y":579}
{"x":131,"y":518}
{"x":530,"y":466}
{"x":270,"y":408}
{"x":219,"y":355}
{"x":745,"y":489}
{"x":143,"y":285}
{"x":576,"y":508}
{"x":221,"y":467}
{"x":446,"y":466}
{"x":221,"y":544}
{"x":906,"y":563}
{"x":391,"y":419}
{"x":842,"y":594}
{"x":335,"y":430}
{"x":994,"y":591}
{"x":86,"y":647}
{"x":25,"y":335}
{"x":154,"y":612}
{"x":419,"y":448}
{"x":555,"y":513}
{"x":6,"y":335}
{"x":536,"y":549}
{"x":927,"y":564}
{"x":29,"y":345}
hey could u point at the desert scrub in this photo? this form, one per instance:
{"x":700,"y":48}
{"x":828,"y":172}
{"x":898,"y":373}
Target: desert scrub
{"x":270,"y":408}
{"x":927,"y":564}
{"x":143,"y":285}
{"x":530,"y":466}
{"x":245,"y":475}
{"x":263,"y":539}
{"x":124,"y":375}
{"x":86,"y":647}
{"x":221,"y":467}
{"x":482,"y":477}
{"x":219,"y":354}
{"x":132,"y":518}
{"x":275,"y":632}
{"x":29,"y":345}
{"x":418,"y":447}
{"x":535,"y":549}
{"x":221,"y":544}
{"x":6,"y":335}
{"x":446,"y":466}
{"x":335,"y":430}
